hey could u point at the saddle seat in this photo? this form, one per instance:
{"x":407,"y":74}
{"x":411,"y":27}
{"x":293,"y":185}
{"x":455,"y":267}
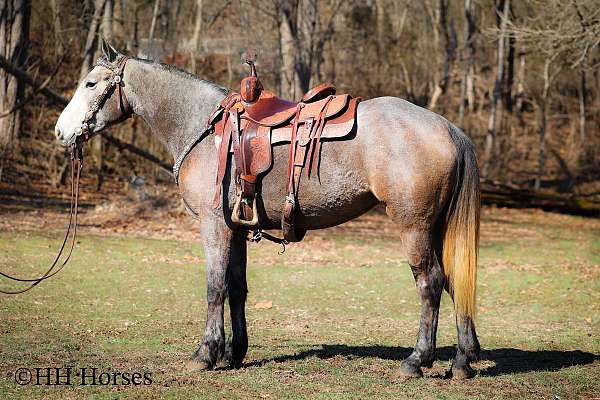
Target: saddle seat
{"x":272,"y":110}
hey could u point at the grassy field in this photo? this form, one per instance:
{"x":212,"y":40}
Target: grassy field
{"x":331,"y":318}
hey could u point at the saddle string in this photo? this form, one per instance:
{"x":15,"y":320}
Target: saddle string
{"x":76,"y":167}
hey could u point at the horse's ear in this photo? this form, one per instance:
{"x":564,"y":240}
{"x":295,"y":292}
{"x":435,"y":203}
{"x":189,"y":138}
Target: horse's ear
{"x":109,"y":52}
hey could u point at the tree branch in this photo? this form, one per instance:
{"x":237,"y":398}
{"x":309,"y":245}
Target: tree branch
{"x":24,"y":77}
{"x":59,"y":100}
{"x":137,"y":151}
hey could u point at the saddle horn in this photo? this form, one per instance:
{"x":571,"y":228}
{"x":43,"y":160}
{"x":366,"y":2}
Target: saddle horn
{"x":250,"y":87}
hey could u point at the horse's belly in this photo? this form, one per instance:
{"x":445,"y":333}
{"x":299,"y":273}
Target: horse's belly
{"x":339,"y":193}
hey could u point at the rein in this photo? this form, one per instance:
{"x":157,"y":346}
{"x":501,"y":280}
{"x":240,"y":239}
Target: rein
{"x":76,"y":167}
{"x":76,"y":156}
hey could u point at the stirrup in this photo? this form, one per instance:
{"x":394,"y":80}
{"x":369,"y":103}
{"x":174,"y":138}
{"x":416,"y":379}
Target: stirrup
{"x":235,"y":215}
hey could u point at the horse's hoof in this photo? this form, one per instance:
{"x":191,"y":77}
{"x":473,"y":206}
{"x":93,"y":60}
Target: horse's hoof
{"x":409,"y":370}
{"x":473,"y":354}
{"x":461,"y":373}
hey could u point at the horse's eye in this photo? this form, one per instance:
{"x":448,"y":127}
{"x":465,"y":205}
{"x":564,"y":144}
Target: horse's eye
{"x":90,"y":84}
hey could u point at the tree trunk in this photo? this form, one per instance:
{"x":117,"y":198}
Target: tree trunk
{"x":288,"y":39}
{"x":490,"y":139}
{"x":307,"y":44}
{"x":543,"y":126}
{"x":153,"y":23}
{"x":510,"y":75}
{"x":380,"y":8}
{"x":468,"y":59}
{"x":196,"y":37}
{"x":582,"y":101}
{"x":56,"y":21}
{"x":107,"y":20}
{"x":447,"y":31}
{"x":521,"y":81}
{"x":91,"y":42}
{"x":14,"y":40}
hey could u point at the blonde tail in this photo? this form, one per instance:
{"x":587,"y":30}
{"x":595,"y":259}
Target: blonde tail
{"x":461,"y":229}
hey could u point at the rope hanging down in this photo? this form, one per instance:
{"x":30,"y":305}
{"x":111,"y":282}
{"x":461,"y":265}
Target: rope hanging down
{"x":57,"y":266}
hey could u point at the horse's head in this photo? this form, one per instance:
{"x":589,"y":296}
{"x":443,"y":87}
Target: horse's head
{"x":98,"y":101}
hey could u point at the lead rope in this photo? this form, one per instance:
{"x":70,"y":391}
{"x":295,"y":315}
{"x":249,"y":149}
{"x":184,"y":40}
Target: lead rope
{"x":76,"y":163}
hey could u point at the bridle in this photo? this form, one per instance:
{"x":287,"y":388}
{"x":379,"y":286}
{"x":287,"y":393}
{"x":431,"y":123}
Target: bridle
{"x":82,"y":135}
{"x":115,"y":81}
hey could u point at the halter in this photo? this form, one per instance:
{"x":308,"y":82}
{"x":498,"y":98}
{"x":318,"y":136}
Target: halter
{"x":76,"y":155}
{"x":115,"y":81}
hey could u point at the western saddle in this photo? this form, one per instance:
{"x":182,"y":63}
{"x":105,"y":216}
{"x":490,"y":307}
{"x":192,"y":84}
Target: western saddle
{"x":251,"y":122}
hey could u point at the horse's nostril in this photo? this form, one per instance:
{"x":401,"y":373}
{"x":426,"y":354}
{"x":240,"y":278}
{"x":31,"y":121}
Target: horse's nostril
{"x":57,"y":134}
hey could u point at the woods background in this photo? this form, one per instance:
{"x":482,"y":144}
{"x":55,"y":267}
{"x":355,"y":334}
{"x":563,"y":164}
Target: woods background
{"x":522,"y":78}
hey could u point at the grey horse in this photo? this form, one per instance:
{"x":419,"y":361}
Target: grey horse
{"x":413,"y":161}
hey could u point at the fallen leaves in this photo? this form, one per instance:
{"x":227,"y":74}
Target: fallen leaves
{"x":263,"y":305}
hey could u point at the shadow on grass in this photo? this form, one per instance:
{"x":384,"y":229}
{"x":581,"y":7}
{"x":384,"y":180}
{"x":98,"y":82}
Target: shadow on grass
{"x":506,"y":360}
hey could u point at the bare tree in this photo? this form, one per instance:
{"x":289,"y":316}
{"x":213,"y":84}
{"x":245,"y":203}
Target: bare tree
{"x":91,"y":42}
{"x":107,"y":20}
{"x":502,"y":8}
{"x":468,"y":55}
{"x":519,"y":96}
{"x":288,"y":39}
{"x":197,"y":34}
{"x":58,"y":38}
{"x":14,"y":41}
{"x":153,"y":22}
{"x":444,"y":29}
{"x":563,"y":34}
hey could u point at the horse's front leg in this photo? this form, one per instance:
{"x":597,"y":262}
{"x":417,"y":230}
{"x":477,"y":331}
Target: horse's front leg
{"x":237,"y":289}
{"x":225,"y":253}
{"x":429,"y":280}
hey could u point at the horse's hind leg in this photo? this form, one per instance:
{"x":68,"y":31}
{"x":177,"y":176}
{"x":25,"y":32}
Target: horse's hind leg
{"x":224,"y":252}
{"x":468,"y":349}
{"x":429,"y":280}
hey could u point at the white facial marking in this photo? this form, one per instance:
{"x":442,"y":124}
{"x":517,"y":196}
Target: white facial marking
{"x":70,"y":120}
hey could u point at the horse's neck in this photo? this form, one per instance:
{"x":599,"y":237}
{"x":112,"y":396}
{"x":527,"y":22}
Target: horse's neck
{"x":174,"y":104}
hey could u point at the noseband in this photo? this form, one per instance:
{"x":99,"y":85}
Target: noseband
{"x":76,"y":155}
{"x":115,"y":81}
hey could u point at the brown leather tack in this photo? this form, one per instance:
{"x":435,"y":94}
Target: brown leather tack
{"x":250,"y":123}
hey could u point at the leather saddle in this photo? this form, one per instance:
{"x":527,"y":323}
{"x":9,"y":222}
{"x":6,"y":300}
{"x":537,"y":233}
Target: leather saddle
{"x":251,"y":122}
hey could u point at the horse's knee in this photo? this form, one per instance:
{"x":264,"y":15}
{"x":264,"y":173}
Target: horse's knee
{"x":215,"y":294}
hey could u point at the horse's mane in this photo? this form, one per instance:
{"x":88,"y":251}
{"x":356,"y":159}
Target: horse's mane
{"x":177,"y":71}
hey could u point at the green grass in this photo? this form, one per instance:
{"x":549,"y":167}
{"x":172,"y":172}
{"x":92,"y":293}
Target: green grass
{"x":345,"y":312}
